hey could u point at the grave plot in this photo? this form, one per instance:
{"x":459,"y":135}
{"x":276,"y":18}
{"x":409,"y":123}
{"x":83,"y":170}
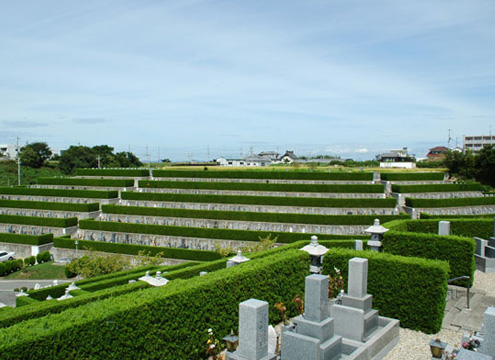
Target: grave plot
{"x":264,"y":189}
{"x":454,"y":206}
{"x":414,"y":178}
{"x":31,"y":225}
{"x":59,"y":195}
{"x":86,"y":184}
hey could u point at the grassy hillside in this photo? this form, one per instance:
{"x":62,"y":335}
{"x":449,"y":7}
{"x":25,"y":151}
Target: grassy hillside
{"x":8,"y":173}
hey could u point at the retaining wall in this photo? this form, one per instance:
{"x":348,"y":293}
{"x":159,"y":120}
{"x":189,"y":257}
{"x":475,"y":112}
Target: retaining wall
{"x":23,"y":251}
{"x":401,"y":197}
{"x":49,"y":213}
{"x":36,"y":230}
{"x":70,"y":200}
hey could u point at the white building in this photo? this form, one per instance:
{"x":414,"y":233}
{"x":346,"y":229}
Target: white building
{"x":8,"y":151}
{"x":397,"y":159}
{"x":476,"y":142}
{"x":264,"y":158}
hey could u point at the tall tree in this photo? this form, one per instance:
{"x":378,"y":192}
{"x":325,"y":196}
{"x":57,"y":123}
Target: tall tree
{"x":485,"y":165}
{"x":77,"y":157}
{"x":35,"y":155}
{"x":460,"y":164}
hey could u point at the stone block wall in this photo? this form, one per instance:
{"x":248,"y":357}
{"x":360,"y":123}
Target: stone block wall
{"x":36,"y":230}
{"x":49,"y":213}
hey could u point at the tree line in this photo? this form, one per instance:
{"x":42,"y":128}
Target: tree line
{"x":39,"y":154}
{"x":468,"y":165}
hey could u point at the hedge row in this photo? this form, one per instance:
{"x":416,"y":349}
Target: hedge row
{"x":22,"y":239}
{"x":48,"y":205}
{"x":113,"y":172}
{"x":453,"y":202}
{"x":397,"y":284}
{"x":89,"y":194}
{"x":431,"y":216}
{"x":262,"y":200}
{"x":436,"y":188}
{"x":317,"y":188}
{"x":196,"y":232}
{"x":264,"y":175}
{"x":132,"y":249}
{"x":86,"y":182}
{"x":11,"y":266}
{"x":482,"y":228}
{"x":103,"y":328}
{"x":38,"y":221}
{"x":412,"y":176}
{"x":458,"y":251}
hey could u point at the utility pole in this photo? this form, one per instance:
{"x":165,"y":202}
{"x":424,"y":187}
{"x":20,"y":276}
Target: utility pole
{"x":450,"y":139}
{"x":18,"y":164}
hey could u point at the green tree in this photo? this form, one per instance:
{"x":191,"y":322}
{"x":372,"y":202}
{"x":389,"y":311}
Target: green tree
{"x":459,"y":164}
{"x":485,"y":165}
{"x":35,"y":155}
{"x":127,"y":159}
{"x":96,"y":264}
{"x":77,"y":157}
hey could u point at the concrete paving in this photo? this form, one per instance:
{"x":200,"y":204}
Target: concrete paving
{"x":7,"y":295}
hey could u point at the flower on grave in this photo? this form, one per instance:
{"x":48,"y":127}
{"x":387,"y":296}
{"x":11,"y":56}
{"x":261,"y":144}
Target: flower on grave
{"x":280,"y":306}
{"x":213,"y":347}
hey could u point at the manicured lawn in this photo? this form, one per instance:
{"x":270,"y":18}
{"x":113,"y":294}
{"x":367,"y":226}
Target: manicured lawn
{"x":38,"y":272}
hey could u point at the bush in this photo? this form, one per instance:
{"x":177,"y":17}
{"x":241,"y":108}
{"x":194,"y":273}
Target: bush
{"x":452,"y":202}
{"x":18,"y":264}
{"x":47,"y":205}
{"x":436,"y":188}
{"x":458,"y":251}
{"x":9,"y":266}
{"x":265,"y":175}
{"x":68,"y":273}
{"x":318,"y":188}
{"x":211,"y":301}
{"x":113,"y":172}
{"x":196,"y":232}
{"x":120,"y":183}
{"x":412,"y":176}
{"x":251,"y":216}
{"x":89,"y":194}
{"x":262,"y":200}
{"x":131,"y":249}
{"x":3,"y":269}
{"x":35,"y":240}
{"x":38,"y":221}
{"x":397,"y":283}
{"x":43,"y":257}
{"x":29,"y":261}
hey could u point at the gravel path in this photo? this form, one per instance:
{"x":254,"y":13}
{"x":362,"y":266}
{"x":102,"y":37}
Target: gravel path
{"x":413,"y":345}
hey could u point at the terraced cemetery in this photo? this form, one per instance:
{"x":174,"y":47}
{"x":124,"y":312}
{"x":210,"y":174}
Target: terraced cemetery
{"x":189,"y":214}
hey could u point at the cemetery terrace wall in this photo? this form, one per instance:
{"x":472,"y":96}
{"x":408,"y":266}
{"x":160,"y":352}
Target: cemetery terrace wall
{"x":43,"y":205}
{"x":49,"y":213}
{"x":67,"y":200}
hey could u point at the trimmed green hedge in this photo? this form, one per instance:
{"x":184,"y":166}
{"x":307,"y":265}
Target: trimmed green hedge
{"x":398,"y":283}
{"x":317,"y":188}
{"x":113,"y":172}
{"x":89,"y":194}
{"x":251,"y":216}
{"x":453,"y":202}
{"x":430,"y":216}
{"x":87,"y":182}
{"x":131,"y":249}
{"x":103,"y":328}
{"x":204,"y":233}
{"x":436,"y":188}
{"x":265,"y":175}
{"x":412,"y":176}
{"x":35,"y":240}
{"x":458,"y":251}
{"x":48,"y":205}
{"x":482,"y":228}
{"x":262,"y":200}
{"x":38,"y":221}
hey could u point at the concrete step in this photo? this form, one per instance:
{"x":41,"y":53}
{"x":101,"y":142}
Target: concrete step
{"x":458,"y":317}
{"x":461,"y":318}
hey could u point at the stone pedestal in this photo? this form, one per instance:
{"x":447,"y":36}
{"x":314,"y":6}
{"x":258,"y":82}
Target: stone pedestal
{"x":313,"y":335}
{"x":354,"y":318}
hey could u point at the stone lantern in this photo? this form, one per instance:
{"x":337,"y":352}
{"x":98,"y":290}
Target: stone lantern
{"x":236,"y":260}
{"x":316,"y":251}
{"x":376,"y":231}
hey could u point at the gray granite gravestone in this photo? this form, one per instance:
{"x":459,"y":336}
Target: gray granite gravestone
{"x":488,"y":344}
{"x":253,"y":332}
{"x":358,"y":245}
{"x":444,"y":228}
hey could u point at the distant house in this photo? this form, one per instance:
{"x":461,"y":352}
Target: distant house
{"x":288,"y":158}
{"x":8,"y":151}
{"x":271,"y":155}
{"x":397,"y":159}
{"x":437,"y":153}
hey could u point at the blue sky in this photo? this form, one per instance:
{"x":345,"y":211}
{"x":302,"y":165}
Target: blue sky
{"x":195,"y":77}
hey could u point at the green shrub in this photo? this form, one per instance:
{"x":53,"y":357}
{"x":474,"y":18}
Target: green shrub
{"x":262,"y":200}
{"x":17,"y":264}
{"x":318,"y":188}
{"x":24,"y":301}
{"x":89,"y":194}
{"x":211,"y":301}
{"x":3,"y":269}
{"x":397,"y":284}
{"x":29,"y":261}
{"x":47,"y":205}
{"x":251,"y":216}
{"x":69,"y":274}
{"x":9,"y":266}
{"x":412,"y":176}
{"x":458,"y":251}
{"x":39,"y":221}
{"x":46,"y":256}
{"x":196,"y":232}
{"x":452,"y":202}
{"x":120,"y":183}
{"x":113,"y":172}
{"x":39,"y":258}
{"x":436,"y":188}
{"x":265,"y":175}
{"x":35,"y":240}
